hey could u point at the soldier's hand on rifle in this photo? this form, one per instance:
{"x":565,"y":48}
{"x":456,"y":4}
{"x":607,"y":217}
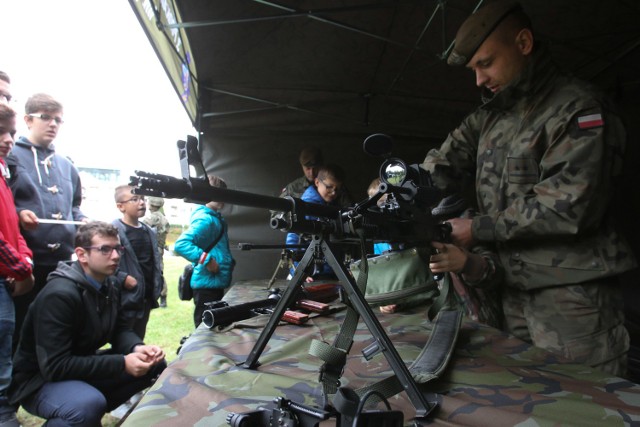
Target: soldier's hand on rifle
{"x":450,"y":258}
{"x":212,"y":266}
{"x":130,"y":282}
{"x":461,"y":232}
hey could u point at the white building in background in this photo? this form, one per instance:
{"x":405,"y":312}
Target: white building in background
{"x":98,"y":187}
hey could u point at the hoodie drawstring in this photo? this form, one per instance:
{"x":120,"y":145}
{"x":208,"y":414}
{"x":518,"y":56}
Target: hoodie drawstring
{"x":46,"y":163}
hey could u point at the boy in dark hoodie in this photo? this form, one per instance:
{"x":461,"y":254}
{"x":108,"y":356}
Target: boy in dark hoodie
{"x":60,"y":373}
{"x":46,"y":186}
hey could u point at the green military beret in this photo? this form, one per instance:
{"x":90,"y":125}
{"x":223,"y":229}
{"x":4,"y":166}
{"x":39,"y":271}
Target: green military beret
{"x":311,"y":157}
{"x":477,"y":27}
{"x":156,"y":201}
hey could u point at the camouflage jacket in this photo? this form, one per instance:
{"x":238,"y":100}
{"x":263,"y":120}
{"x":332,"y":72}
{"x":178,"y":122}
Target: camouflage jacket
{"x":295,"y":188}
{"x":545,"y":152}
{"x":158,"y":222}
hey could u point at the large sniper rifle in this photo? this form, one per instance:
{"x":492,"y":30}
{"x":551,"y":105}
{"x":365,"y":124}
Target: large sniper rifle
{"x":399,"y":212}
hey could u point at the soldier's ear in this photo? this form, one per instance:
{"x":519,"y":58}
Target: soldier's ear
{"x":524,"y":41}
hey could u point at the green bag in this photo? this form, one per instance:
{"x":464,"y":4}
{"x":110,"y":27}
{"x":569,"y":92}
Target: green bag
{"x":401,"y":277}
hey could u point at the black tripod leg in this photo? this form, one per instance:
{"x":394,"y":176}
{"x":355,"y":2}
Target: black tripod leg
{"x":286,"y":301}
{"x":423,"y":408}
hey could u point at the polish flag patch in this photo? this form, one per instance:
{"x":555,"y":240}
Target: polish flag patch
{"x":590,"y":121}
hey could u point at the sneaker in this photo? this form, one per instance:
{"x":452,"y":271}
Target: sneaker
{"x":11,"y":421}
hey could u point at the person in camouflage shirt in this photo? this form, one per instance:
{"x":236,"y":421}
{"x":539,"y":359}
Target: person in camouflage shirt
{"x":310,"y":160}
{"x":544,"y":150}
{"x":156,"y":220}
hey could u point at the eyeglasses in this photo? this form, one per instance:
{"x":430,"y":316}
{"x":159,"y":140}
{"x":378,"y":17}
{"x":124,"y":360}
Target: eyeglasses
{"x":330,"y":188}
{"x":107,"y":250}
{"x":48,"y":118}
{"x":134,"y":199}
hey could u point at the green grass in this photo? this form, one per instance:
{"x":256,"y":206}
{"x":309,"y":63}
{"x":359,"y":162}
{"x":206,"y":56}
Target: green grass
{"x":165,"y":328}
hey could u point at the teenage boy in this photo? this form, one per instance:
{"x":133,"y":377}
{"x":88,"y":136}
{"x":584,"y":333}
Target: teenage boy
{"x":140,"y":266}
{"x":61,"y":372}
{"x":48,"y":187}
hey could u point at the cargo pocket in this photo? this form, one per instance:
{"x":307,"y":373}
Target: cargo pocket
{"x":605,"y":350}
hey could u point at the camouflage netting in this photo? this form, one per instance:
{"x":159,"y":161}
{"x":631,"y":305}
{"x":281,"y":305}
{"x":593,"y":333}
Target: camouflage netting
{"x":493,"y":379}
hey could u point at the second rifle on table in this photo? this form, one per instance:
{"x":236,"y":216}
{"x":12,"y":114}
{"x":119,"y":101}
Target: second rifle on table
{"x":313,"y":298}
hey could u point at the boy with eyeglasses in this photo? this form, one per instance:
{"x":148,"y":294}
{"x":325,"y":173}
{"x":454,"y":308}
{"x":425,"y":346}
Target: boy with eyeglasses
{"x":46,"y":186}
{"x":326,"y":189}
{"x":140,"y":269}
{"x":61,"y":370}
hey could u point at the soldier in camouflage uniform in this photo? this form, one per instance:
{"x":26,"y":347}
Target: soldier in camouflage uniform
{"x":156,"y":220}
{"x":310,"y":161}
{"x":545,"y":150}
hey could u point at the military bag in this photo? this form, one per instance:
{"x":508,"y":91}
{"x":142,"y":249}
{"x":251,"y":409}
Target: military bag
{"x":400,"y":277}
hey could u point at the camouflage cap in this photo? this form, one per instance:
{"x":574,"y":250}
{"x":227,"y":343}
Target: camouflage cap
{"x":477,"y":27}
{"x":156,"y":201}
{"x":311,"y":156}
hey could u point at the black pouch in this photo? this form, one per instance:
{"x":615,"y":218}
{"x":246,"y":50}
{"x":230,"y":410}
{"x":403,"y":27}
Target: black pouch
{"x":185,"y":293}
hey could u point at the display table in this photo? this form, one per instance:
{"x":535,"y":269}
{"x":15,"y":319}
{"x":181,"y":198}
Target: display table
{"x":492,"y":380}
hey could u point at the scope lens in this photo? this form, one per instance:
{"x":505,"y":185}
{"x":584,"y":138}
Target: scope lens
{"x":394,"y":172}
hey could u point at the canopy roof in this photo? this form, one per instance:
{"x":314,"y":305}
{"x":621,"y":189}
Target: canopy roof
{"x":377,"y":63}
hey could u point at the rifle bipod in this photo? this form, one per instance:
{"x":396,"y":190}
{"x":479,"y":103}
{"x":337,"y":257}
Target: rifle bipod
{"x":320,"y":245}
{"x":285,"y":263}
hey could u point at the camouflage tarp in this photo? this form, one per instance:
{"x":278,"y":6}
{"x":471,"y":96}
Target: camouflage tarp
{"x":493,"y":379}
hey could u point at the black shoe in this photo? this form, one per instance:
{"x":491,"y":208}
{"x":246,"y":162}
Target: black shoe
{"x":163,"y":302}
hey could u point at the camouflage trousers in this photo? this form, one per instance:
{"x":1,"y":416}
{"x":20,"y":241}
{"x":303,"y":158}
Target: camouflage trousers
{"x":583,"y":323}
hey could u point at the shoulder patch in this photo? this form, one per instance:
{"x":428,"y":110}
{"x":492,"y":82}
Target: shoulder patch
{"x":590,"y":121}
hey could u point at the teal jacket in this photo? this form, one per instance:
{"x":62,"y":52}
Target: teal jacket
{"x":206,"y":225}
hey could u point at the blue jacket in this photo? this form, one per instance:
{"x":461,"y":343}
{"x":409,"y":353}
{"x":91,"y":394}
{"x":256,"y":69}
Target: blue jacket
{"x":132,"y":301}
{"x":310,"y":195}
{"x":49,"y":185}
{"x":206,"y":225}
